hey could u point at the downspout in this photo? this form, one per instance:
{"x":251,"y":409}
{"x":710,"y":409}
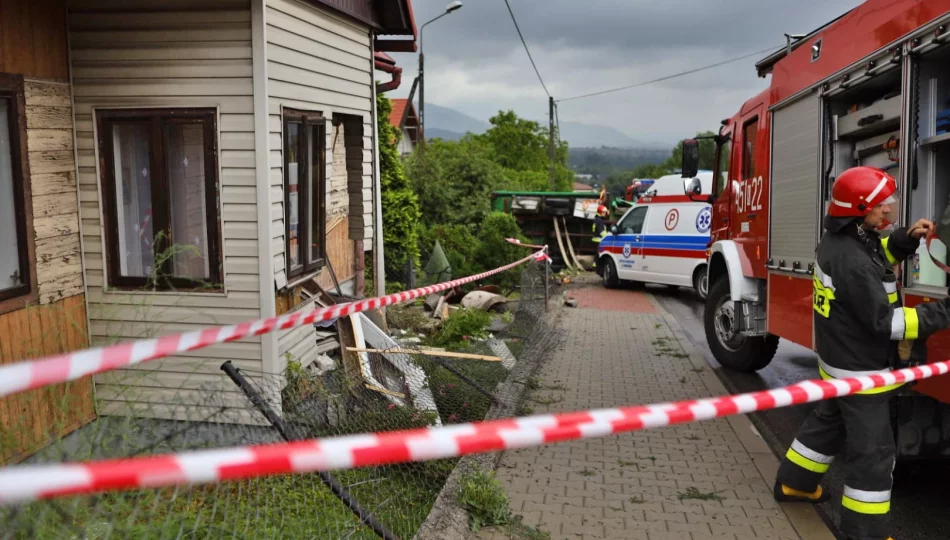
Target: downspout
{"x":396,"y":72}
{"x":379,"y":266}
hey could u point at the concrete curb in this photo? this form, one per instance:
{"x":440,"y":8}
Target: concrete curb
{"x":804,"y":518}
{"x":447,"y":520}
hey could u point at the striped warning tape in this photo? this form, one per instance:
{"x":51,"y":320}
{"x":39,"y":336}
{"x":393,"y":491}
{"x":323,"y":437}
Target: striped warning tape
{"x":26,"y":483}
{"x":61,"y":368}
{"x":517,"y":242}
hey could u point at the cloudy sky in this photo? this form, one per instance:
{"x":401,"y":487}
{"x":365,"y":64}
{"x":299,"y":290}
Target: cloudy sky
{"x":476,"y":64}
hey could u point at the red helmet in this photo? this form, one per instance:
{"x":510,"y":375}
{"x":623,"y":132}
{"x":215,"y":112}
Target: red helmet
{"x":859,"y":189}
{"x":602,"y":210}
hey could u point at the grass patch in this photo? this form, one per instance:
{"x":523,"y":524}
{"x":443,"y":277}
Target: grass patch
{"x":547,"y":400}
{"x":587,"y":472}
{"x":625,"y":463}
{"x":637,"y":499}
{"x":692,"y":438}
{"x":695,"y":494}
{"x":516,"y":347}
{"x":481,"y":494}
{"x":460,"y":328}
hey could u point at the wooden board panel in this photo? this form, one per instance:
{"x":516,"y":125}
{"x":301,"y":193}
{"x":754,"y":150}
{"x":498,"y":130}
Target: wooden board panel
{"x":33,"y":38}
{"x":31,"y":419}
{"x":340,"y":254}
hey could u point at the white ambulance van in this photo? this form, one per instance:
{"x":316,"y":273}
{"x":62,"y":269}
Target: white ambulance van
{"x":660,"y":239}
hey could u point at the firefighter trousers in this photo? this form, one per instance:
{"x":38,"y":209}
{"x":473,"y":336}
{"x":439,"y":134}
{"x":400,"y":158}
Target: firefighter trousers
{"x":858,"y":428}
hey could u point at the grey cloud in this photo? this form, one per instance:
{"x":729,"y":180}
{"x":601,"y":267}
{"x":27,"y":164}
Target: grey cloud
{"x":475,"y":62}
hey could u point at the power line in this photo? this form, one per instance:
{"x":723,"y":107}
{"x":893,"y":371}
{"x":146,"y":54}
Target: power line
{"x":668,"y":77}
{"x":523,"y":42}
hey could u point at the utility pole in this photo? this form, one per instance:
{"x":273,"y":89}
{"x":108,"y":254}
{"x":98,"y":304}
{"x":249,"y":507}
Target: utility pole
{"x":422,"y":96}
{"x":551,"y":138}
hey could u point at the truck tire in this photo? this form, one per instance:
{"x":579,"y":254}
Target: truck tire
{"x":701,"y":282}
{"x":609,"y":273}
{"x":736,"y":352}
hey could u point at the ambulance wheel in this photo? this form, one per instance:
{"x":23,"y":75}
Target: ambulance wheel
{"x":701,"y":282}
{"x":609,"y":273}
{"x":733,"y":350}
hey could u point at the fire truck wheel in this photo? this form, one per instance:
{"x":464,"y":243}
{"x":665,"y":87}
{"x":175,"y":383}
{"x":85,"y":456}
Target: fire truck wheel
{"x":701,"y":282}
{"x":734,"y":351}
{"x":611,"y":281}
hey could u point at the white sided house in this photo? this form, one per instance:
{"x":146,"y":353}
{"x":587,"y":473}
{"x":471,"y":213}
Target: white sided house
{"x":226,"y":155}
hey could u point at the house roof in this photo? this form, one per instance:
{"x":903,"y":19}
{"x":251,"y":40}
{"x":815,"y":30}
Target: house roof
{"x":578,"y":186}
{"x":387,"y":17}
{"x":399,"y":112}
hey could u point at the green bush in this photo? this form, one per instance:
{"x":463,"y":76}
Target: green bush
{"x":462,"y":326}
{"x":400,"y":204}
{"x":493,"y":249}
{"x":482,"y":495}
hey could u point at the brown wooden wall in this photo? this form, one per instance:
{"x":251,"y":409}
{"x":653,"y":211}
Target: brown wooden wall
{"x":33,"y":38}
{"x":28,"y":421}
{"x":341,"y":255}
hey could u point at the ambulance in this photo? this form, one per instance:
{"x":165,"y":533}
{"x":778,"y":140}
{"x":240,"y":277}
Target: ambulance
{"x":660,"y":239}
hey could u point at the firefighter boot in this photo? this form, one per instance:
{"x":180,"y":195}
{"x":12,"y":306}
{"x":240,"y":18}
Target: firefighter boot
{"x":784,"y":493}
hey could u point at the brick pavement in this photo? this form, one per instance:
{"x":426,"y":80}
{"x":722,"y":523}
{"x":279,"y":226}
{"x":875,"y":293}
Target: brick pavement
{"x":694,"y":481}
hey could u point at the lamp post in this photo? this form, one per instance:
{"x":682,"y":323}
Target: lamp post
{"x":454,"y":6}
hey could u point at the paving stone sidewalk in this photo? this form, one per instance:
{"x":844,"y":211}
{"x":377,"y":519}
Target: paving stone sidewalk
{"x":695,"y":481}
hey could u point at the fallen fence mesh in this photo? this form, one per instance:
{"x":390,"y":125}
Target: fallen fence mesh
{"x":430,"y":367}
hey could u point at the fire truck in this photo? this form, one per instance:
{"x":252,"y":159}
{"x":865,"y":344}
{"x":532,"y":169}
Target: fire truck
{"x":869,"y":88}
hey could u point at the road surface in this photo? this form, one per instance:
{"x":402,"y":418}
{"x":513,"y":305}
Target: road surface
{"x":921,"y":493}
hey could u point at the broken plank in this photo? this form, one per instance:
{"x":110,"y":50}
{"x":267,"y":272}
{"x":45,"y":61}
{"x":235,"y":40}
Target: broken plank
{"x":423,"y":352}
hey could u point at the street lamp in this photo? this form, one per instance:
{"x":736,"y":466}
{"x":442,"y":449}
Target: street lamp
{"x":453,"y":6}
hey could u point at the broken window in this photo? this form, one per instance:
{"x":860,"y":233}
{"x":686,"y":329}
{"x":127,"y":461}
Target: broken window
{"x":160,"y":190}
{"x":304,"y":190}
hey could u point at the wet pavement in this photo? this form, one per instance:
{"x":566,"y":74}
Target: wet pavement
{"x":920,"y":495}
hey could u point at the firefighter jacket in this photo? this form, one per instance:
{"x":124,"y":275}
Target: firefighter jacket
{"x":859,"y":316}
{"x":600,"y":228}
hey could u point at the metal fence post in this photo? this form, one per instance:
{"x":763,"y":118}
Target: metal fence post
{"x":547,"y":279}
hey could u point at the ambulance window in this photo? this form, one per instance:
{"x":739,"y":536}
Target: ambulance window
{"x":722,"y":166}
{"x":749,"y":133}
{"x":633,"y":222}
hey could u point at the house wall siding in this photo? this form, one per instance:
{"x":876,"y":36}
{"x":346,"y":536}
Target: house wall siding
{"x":320,"y":61}
{"x":171,"y":54}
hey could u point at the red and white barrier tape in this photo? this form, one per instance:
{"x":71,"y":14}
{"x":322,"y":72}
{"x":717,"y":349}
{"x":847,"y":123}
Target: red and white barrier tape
{"x":517,"y":242}
{"x":25,"y":483}
{"x":61,"y":368}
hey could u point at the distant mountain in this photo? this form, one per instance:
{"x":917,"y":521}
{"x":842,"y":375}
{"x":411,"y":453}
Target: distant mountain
{"x":450,"y":124}
{"x":436,"y":133}
{"x":444,"y":119}
{"x":579,"y":135}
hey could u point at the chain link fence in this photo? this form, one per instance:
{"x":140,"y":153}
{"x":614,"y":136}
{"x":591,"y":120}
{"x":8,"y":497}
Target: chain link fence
{"x":423,"y":371}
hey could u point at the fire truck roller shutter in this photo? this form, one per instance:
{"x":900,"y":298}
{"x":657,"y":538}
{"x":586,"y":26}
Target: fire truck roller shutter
{"x":796,"y":144}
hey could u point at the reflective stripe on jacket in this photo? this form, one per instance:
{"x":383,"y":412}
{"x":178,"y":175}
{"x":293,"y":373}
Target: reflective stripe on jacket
{"x":859,"y":317}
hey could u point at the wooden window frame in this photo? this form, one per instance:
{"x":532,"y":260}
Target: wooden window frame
{"x":14,"y":298}
{"x":306,"y":120}
{"x":158,"y":119}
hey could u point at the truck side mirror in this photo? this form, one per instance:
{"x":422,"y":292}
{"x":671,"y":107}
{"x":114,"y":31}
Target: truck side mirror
{"x":695,"y":187}
{"x":613,"y":229}
{"x":690,"y":165}
{"x":695,"y":192}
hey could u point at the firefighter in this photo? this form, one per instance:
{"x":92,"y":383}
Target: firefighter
{"x":859,"y":320}
{"x":600,"y":225}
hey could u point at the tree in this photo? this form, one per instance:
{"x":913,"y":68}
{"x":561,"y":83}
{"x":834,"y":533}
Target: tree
{"x":400,"y":205}
{"x":707,"y":153}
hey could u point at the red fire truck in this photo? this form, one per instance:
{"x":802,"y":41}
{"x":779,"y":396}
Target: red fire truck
{"x":869,"y":88}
